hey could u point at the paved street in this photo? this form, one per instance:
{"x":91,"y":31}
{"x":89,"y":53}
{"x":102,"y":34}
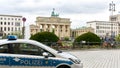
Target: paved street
{"x":99,"y":58}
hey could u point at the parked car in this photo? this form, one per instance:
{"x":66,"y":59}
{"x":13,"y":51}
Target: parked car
{"x":21,"y":53}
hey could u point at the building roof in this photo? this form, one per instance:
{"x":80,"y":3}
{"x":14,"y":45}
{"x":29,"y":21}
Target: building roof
{"x":101,"y":22}
{"x":11,"y":15}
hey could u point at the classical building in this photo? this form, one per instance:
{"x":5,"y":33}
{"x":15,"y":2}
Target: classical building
{"x":10,"y":24}
{"x":34,"y":29}
{"x":79,"y":31}
{"x":60,"y":26}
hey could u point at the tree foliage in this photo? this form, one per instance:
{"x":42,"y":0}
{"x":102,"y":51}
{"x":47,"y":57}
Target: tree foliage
{"x":18,"y":34}
{"x":117,"y":38}
{"x":45,"y":37}
{"x":88,"y":37}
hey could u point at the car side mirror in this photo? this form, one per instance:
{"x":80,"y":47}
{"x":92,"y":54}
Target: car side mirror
{"x":45,"y":54}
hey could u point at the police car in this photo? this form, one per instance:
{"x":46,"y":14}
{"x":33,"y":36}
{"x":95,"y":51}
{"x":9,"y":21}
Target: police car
{"x":21,"y":53}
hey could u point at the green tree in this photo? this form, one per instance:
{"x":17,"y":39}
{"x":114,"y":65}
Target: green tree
{"x":117,"y":38}
{"x":18,"y":34}
{"x":66,"y":38}
{"x":88,"y":37}
{"x":45,"y":37}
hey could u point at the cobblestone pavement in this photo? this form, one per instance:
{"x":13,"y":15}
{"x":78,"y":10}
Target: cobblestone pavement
{"x":99,"y":58}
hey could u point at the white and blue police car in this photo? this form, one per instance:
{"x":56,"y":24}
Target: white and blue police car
{"x":21,"y":53}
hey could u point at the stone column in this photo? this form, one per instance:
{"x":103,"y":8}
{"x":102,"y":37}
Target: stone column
{"x":51,"y":27}
{"x":48,"y":27}
{"x":43,"y":27}
{"x":68,"y":28}
{"x":63,"y":31}
{"x":55,"y":29}
{"x":58,"y":31}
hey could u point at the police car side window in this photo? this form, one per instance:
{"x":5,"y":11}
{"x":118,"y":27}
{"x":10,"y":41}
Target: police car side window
{"x":23,"y":48}
{"x":30,"y":49}
{"x":7,"y":48}
{"x":3,"y":49}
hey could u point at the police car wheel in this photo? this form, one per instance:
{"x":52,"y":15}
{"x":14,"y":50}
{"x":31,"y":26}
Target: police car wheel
{"x":63,"y":66}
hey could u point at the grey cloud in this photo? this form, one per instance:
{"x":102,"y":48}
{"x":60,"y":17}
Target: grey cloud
{"x":17,"y":6}
{"x":67,"y":7}
{"x":86,"y":8}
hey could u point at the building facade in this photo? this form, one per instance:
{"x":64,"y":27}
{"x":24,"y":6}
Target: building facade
{"x":10,"y":24}
{"x":79,"y":31}
{"x":115,"y":18}
{"x":34,"y":29}
{"x":103,"y":28}
{"x":60,"y":26}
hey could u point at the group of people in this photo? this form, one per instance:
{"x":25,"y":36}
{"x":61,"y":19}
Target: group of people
{"x":109,"y":42}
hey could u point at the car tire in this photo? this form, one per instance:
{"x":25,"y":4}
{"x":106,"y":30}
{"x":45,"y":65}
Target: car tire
{"x":64,"y":66}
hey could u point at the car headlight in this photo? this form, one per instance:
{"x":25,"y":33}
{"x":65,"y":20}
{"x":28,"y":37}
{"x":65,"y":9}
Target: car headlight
{"x":76,"y":61}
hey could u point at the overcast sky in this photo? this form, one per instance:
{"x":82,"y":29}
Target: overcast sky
{"x":79,"y":11}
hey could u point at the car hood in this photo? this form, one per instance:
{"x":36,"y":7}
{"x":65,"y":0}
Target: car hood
{"x":67,"y":55}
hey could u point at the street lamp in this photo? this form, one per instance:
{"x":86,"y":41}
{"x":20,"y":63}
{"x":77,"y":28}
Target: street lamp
{"x":23,"y":29}
{"x":111,"y":9}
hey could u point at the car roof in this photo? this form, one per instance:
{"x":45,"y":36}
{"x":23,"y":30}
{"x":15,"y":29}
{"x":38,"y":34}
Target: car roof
{"x":6,"y":41}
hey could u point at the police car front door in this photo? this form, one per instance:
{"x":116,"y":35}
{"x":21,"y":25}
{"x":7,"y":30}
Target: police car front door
{"x":27,"y":61}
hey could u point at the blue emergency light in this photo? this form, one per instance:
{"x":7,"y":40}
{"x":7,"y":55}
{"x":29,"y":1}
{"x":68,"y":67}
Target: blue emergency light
{"x":12,"y":37}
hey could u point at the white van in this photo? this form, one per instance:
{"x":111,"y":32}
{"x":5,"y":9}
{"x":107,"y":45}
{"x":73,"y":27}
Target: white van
{"x":21,"y":53}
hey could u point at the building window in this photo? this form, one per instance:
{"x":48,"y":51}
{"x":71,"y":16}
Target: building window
{"x":8,"y":18}
{"x":1,"y":28}
{"x":17,"y":24}
{"x":12,"y":19}
{"x":16,"y":19}
{"x":97,"y":27}
{"x":1,"y":23}
{"x":12,"y":29}
{"x":19,"y":28}
{"x":4,"y":23}
{"x":4,"y":28}
{"x":4,"y":18}
{"x":113,"y":18}
{"x":1,"y":18}
{"x":8,"y":28}
{"x":19,"y":19}
{"x":8,"y":23}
